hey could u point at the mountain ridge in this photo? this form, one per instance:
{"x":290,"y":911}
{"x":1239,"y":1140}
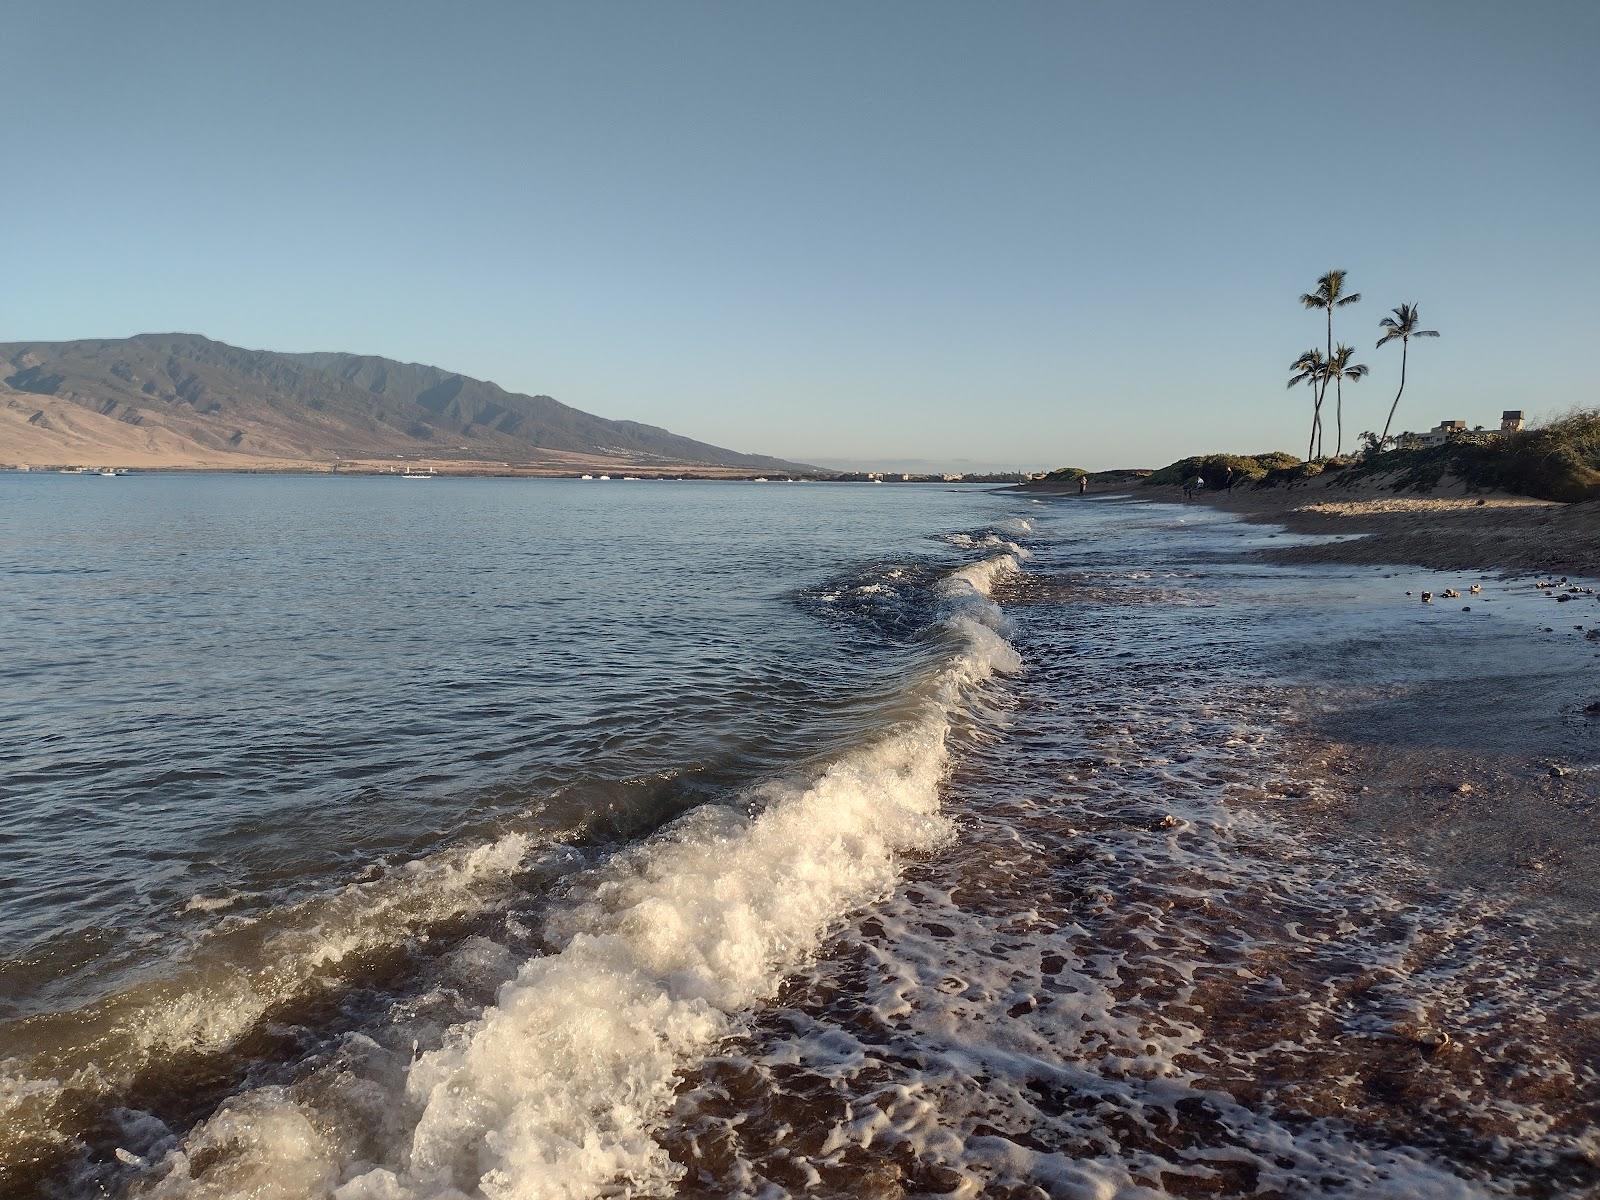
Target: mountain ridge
{"x":213,"y":402}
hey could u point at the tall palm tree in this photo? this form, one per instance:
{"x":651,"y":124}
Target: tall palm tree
{"x":1311,"y":369}
{"x":1330,"y":295}
{"x":1339,"y":369}
{"x":1401,"y":326}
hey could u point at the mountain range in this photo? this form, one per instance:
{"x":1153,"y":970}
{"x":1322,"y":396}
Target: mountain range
{"x":183,"y":400}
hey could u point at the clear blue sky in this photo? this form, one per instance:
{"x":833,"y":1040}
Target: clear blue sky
{"x":998,"y":232}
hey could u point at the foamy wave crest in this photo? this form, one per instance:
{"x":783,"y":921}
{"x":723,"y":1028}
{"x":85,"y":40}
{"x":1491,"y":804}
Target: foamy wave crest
{"x":236,"y":976}
{"x":558,"y":1088}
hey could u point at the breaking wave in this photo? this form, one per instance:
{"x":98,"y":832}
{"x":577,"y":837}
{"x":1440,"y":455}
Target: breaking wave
{"x":536,"y":1059}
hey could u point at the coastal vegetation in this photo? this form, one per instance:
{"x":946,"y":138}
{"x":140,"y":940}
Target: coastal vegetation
{"x":1559,"y":460}
{"x":1401,"y":327}
{"x":1328,"y":295}
{"x":1214,"y":468}
{"x":1330,"y":366}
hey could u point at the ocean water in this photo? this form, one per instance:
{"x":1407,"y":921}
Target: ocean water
{"x":530,"y":839}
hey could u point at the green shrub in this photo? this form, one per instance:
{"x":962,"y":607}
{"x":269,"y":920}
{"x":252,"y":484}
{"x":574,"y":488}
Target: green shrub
{"x":1556,"y":461}
{"x":1213,"y":468}
{"x":1067,"y":474}
{"x":1297,"y":472}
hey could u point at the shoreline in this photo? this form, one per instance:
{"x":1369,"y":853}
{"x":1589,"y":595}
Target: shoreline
{"x":1484,"y":760}
{"x":1451,"y":528}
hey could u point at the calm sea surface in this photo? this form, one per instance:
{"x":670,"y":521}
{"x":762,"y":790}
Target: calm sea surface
{"x":523,"y":839}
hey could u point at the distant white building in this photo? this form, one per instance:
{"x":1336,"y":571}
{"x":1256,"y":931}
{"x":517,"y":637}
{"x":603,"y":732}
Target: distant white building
{"x":1511,"y":421}
{"x":1437,"y":436}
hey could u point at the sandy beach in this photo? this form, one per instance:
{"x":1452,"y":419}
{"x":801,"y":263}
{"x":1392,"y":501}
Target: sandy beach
{"x":1450,"y":528}
{"x":1486,"y":762}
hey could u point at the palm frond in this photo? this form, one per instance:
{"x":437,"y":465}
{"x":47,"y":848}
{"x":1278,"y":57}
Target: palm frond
{"x":1351,"y":299}
{"x":1425,"y":333}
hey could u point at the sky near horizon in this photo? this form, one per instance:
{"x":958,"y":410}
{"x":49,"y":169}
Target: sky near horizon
{"x":1015,"y":234}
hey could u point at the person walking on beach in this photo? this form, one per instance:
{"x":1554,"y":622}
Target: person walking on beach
{"x":1192,"y":485}
{"x":1227,"y":479}
{"x":1083,"y":485}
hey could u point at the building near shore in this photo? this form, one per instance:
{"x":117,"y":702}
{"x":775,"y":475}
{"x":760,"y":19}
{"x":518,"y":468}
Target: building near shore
{"x":1437,"y":436}
{"x":1511,"y":421}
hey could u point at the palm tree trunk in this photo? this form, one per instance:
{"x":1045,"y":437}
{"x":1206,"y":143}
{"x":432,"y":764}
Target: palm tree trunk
{"x":1338,"y":416}
{"x":1316,"y":421}
{"x":1316,"y":417}
{"x":1405,"y":344}
{"x":1324,"y":395}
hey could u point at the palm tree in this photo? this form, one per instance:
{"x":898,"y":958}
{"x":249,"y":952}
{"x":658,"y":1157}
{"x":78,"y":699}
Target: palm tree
{"x":1403,"y":325}
{"x":1339,"y":369}
{"x":1329,"y":296}
{"x":1311,"y":369}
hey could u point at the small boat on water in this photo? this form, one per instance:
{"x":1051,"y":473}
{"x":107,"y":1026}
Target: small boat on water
{"x":605,"y":477}
{"x":413,"y":473}
{"x":586,"y":476}
{"x":111,"y":472}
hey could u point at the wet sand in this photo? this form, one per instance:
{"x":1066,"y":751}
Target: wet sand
{"x":1220,"y":919}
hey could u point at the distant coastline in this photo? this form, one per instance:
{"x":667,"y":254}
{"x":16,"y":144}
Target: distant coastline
{"x":457,"y":469}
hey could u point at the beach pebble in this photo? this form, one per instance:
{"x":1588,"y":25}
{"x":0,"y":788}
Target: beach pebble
{"x":1466,"y":608}
{"x":1427,"y":597}
{"x":1463,"y":789}
{"x":1557,"y":771}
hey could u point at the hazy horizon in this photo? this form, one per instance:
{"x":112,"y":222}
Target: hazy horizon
{"x":929,"y":233}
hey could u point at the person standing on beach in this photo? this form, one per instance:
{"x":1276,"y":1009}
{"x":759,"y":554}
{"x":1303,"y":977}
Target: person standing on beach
{"x":1192,"y":485}
{"x":1083,"y":485}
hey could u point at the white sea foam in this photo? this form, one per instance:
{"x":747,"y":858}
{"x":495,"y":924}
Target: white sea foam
{"x":557,"y":1089}
{"x":239,"y":972}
